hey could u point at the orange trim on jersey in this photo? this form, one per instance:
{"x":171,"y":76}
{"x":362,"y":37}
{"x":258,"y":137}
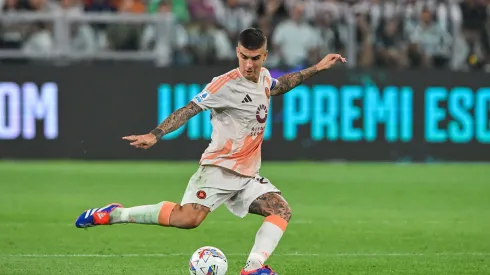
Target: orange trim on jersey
{"x":250,"y":145}
{"x":219,"y":161}
{"x":221,"y":81}
{"x":165,"y":212}
{"x":233,"y":74}
{"x":278,"y":221}
{"x":247,"y":166}
{"x":224,"y":151}
{"x":249,"y":154}
{"x":214,"y":86}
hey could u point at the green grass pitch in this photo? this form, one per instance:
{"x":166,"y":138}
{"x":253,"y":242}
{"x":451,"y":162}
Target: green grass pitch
{"x":347,"y":219}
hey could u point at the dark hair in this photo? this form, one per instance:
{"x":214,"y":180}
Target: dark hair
{"x":252,"y":39}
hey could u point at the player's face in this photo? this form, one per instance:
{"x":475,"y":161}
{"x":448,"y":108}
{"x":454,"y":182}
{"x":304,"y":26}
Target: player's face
{"x":250,"y":61}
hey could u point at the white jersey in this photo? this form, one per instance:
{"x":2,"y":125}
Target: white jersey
{"x":239,"y":110}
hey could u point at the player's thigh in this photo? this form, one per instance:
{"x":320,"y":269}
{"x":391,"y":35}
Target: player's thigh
{"x":201,"y":192}
{"x":260,"y":197}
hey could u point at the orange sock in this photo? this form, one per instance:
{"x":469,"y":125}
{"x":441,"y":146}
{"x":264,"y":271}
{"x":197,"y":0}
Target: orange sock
{"x":165,"y":212}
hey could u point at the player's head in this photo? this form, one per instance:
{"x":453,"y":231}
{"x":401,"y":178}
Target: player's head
{"x":251,"y":52}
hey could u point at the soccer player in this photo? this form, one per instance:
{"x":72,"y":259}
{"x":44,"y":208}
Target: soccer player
{"x":228,"y":171}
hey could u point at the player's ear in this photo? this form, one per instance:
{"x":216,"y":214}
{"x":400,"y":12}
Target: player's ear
{"x":265,"y":54}
{"x":237,"y":52}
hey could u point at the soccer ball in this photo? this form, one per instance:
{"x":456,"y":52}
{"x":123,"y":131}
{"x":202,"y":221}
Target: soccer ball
{"x":208,"y":260}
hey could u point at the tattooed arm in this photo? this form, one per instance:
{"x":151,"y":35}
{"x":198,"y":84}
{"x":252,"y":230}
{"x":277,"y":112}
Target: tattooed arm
{"x":176,"y":119}
{"x":172,"y":123}
{"x":289,"y":81}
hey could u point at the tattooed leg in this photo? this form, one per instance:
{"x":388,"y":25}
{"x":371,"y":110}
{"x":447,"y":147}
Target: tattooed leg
{"x":278,"y":214}
{"x":188,"y":216}
{"x":271,"y":204}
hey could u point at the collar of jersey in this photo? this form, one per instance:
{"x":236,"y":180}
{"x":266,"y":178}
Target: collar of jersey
{"x":242,"y":77}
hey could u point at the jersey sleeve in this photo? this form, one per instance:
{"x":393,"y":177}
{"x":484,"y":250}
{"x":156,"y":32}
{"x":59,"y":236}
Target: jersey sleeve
{"x":213,"y":96}
{"x":274,"y":83}
{"x":271,"y":81}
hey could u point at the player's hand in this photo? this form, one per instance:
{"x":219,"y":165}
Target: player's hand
{"x":329,"y":60}
{"x":142,"y":141}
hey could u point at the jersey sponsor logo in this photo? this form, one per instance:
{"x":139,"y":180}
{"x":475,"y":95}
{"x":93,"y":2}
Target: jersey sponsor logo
{"x":257,"y":130}
{"x":261,"y":113}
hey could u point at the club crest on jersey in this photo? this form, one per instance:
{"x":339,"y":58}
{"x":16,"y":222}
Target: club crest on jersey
{"x":201,"y":194}
{"x":261,"y":113}
{"x":202,"y":96}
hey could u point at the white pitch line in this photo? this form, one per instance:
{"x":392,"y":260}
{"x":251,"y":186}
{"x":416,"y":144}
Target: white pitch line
{"x":243,"y":254}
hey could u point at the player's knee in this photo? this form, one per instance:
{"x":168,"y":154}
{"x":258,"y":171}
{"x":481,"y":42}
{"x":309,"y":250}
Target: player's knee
{"x":284,"y":212}
{"x":287,"y":213}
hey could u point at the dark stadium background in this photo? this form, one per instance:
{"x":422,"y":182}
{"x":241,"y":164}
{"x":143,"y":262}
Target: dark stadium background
{"x":384,"y":160}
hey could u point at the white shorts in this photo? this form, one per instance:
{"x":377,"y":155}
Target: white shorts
{"x":212,"y":186}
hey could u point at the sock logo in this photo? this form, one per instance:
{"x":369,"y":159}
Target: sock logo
{"x":201,"y":194}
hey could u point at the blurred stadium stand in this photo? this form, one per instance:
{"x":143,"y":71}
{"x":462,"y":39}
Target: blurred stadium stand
{"x":438,"y":34}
